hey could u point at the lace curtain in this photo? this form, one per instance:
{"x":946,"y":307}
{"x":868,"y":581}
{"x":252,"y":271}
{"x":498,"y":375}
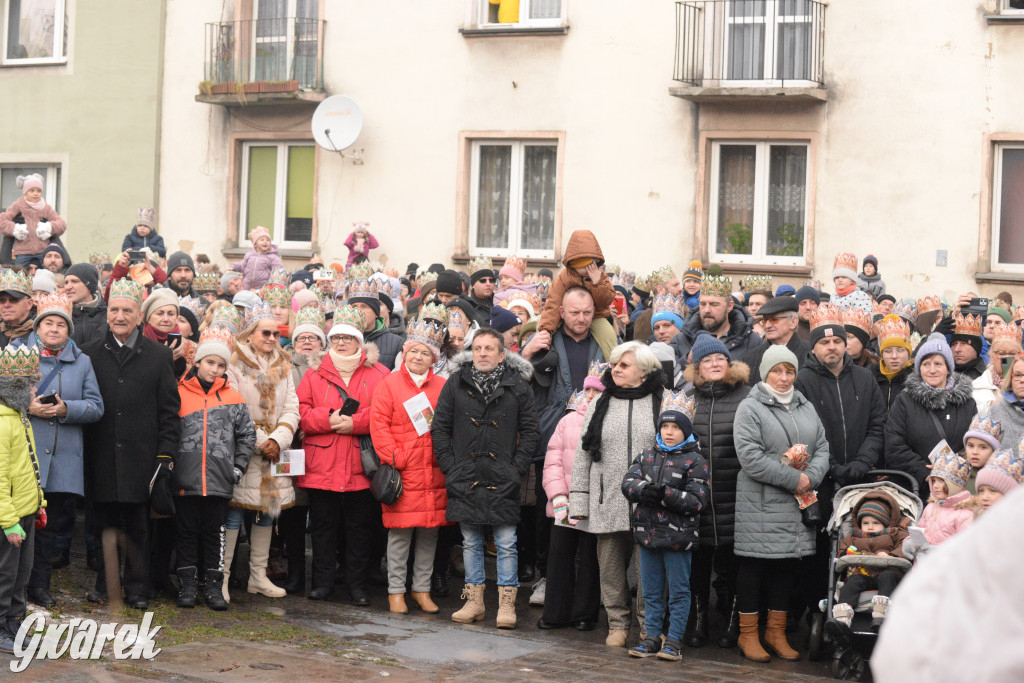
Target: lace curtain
{"x":736,"y":172}
{"x":787,"y":200}
{"x":493,"y":197}
{"x":538,"y":228}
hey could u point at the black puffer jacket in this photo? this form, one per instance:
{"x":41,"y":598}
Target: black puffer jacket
{"x":740,"y":340}
{"x":90,"y":321}
{"x":387,"y":342}
{"x":910,"y":433}
{"x":485,"y":447}
{"x":712,"y":424}
{"x":891,"y":388}
{"x":681,"y":477}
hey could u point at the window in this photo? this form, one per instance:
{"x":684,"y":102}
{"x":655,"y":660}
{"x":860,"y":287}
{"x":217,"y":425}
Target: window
{"x":513,"y":197}
{"x":277,"y":191}
{"x":520,"y":13}
{"x":35,"y":32}
{"x":285,"y":40}
{"x":9,"y":190}
{"x":769,"y":40}
{"x":1008,"y":206}
{"x":758,"y":204}
{"x":1013,"y":6}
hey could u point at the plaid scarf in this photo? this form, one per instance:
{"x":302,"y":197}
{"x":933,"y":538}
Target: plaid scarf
{"x":487,"y":383}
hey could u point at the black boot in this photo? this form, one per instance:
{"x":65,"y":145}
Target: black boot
{"x":439,"y":585}
{"x":188,"y":588}
{"x":296,"y":582}
{"x":213,"y":595}
{"x":698,"y":625}
{"x":61,"y":558}
{"x":732,"y":629}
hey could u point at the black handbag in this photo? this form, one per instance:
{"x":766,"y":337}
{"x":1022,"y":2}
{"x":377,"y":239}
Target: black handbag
{"x":386,"y":485}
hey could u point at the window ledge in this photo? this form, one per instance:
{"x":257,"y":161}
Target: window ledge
{"x":300,"y":97}
{"x":700,"y":93}
{"x":23,"y":63}
{"x":1005,"y":18}
{"x":1000,"y":278}
{"x":758,"y":269}
{"x":478,"y":32}
{"x":463,"y":259}
{"x":283,"y":253}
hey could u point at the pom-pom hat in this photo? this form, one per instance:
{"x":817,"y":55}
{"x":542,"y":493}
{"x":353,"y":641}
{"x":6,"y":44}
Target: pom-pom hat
{"x":694,"y":271}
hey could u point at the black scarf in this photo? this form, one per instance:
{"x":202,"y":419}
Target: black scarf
{"x":487,"y":383}
{"x":652,"y":386}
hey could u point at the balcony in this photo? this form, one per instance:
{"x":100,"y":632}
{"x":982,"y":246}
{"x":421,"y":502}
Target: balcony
{"x":729,"y":50}
{"x":264,"y":62}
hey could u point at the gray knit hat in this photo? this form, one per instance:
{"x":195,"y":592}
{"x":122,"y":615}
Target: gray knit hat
{"x":777,"y":353}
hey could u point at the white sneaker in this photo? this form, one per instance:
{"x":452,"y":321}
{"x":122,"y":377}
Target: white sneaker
{"x":537,"y":597}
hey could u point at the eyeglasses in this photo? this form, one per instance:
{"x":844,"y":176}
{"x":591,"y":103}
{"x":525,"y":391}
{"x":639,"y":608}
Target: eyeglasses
{"x":486,"y":280}
{"x":775,"y":319}
{"x":267,"y":334}
{"x":714,"y":359}
{"x":307,"y":338}
{"x":343,"y":339}
{"x":1017,"y":377}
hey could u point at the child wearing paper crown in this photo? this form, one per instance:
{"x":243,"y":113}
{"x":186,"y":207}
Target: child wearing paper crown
{"x":981,"y":440}
{"x":949,"y":507}
{"x":144,"y":236}
{"x":31,"y":222}
{"x":1003,"y":473}
{"x":669,"y":485}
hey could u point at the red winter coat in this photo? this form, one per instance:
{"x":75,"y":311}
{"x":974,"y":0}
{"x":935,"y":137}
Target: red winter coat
{"x":424,"y":499}
{"x":332,"y":460}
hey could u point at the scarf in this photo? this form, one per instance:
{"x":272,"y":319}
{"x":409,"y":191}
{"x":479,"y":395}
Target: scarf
{"x":17,"y":331}
{"x":150,"y":332}
{"x":487,"y":383}
{"x":889,"y":375}
{"x":51,"y":351}
{"x":346,"y":365}
{"x":418,"y":380}
{"x":848,"y":290}
{"x":651,"y":386}
{"x":38,"y":206}
{"x":783,"y":398}
{"x":678,"y":447}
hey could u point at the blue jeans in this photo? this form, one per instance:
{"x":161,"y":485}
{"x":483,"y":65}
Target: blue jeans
{"x":658,"y":567}
{"x":473,"y":553}
{"x":24,"y":260}
{"x":236,"y":516}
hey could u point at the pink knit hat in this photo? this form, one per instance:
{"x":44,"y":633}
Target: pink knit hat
{"x":593,"y":378}
{"x":31,"y":181}
{"x":257,"y":233}
{"x":1003,"y":472}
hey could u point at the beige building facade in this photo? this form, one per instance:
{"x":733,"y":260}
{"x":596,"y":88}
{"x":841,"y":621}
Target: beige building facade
{"x":761,"y":135}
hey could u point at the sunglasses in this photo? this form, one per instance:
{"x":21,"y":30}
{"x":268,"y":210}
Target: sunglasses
{"x":267,"y":334}
{"x":486,"y":280}
{"x":775,"y":319}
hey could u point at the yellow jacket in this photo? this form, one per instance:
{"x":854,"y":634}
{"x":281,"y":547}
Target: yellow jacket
{"x":20,"y":492}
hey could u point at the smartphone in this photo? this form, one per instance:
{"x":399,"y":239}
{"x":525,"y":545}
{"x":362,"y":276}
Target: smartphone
{"x":1007,"y":364}
{"x":136,"y":256}
{"x":978,"y":306}
{"x":349,"y":407}
{"x":619,"y":304}
{"x":173,"y":339}
{"x":48,"y":400}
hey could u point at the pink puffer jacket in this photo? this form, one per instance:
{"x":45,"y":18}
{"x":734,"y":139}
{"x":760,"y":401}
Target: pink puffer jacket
{"x":561,"y":451}
{"x":942,"y":520}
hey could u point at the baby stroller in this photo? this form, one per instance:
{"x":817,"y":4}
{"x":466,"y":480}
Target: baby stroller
{"x":849,"y":660}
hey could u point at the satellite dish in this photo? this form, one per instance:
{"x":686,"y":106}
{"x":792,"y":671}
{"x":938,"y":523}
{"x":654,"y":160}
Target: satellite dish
{"x":337,"y":123}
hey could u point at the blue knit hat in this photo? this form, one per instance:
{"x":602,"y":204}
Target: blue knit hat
{"x":936,"y":344}
{"x":706,"y":344}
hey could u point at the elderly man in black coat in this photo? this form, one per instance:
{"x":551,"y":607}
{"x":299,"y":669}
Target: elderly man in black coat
{"x":484,"y":431}
{"x":137,"y":434}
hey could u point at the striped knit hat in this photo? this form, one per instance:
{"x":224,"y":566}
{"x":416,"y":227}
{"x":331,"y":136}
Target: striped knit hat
{"x":876,"y":509}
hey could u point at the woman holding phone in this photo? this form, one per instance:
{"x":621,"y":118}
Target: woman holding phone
{"x":994,"y":382}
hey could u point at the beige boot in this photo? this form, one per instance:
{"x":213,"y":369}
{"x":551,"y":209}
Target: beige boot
{"x":775,"y":637}
{"x":749,"y":642}
{"x":616,"y":637}
{"x":259,"y":555}
{"x":507,"y":606}
{"x":230,"y":540}
{"x":843,"y":613}
{"x":473,"y":610}
{"x":879,"y":605}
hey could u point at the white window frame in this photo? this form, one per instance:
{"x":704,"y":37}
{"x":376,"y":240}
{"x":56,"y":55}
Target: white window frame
{"x":997,"y":195}
{"x":50,"y":184}
{"x":762,"y":162}
{"x":1004,"y":8}
{"x":280,"y":193}
{"x":770,"y":54}
{"x":515,"y":209}
{"x":59,"y":57}
{"x":480,"y":10}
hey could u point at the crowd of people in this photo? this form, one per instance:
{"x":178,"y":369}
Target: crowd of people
{"x":572,"y":423}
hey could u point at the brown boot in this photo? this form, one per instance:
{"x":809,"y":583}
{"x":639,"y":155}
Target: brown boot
{"x":507,"y":606}
{"x":473,"y":610}
{"x":748,"y":641}
{"x":425,"y":603}
{"x":396,"y":603}
{"x":775,"y":637}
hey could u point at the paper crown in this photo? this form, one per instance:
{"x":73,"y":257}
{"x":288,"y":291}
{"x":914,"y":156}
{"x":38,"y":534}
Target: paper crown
{"x":362,"y":288}
{"x":15,"y":281}
{"x":814,"y":284}
{"x":967,"y":325}
{"x":758,"y":283}
{"x":846,"y":261}
{"x":426,"y":332}
{"x":666,"y":303}
{"x":20,"y":361}
{"x":375,"y":266}
{"x":194,"y":304}
{"x":1008,"y":463}
{"x":259,"y":311}
{"x":578,"y":398}
{"x":612,"y":269}
{"x":54,"y":303}
{"x":359,"y":271}
{"x":1018,"y":313}
{"x":310,"y":315}
{"x":948,"y":465}
{"x":661,"y":276}
{"x":642,"y":284}
{"x":679,"y":403}
{"x":99,"y":258}
{"x":221,"y":335}
{"x":929,"y":303}
{"x":628,"y":278}
{"x":1006,"y":332}
{"x":436,"y":312}
{"x":146,"y":217}
{"x":517,"y":263}
{"x":596,"y":369}
{"x":455,"y":322}
{"x":906,"y":309}
{"x":716,"y":285}
{"x":893,"y":327}
{"x":276,"y":295}
{"x":827,"y":314}
{"x":986,"y":425}
{"x":228,"y":317}
{"x":349,"y":315}
{"x":206,"y":282}
{"x":425,"y":277}
{"x":279,"y":276}
{"x":480,"y":263}
{"x":119,"y":289}
{"x":857,"y":317}
{"x":520,"y":298}
{"x":617,"y":281}
{"x":543,"y":286}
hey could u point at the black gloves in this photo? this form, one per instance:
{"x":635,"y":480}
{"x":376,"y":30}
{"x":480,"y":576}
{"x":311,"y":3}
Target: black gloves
{"x":650,"y":495}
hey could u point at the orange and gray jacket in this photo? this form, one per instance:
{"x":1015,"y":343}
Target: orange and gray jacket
{"x":217,"y":435}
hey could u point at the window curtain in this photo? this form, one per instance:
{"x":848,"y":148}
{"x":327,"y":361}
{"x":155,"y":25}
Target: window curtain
{"x":1011,"y":207}
{"x":493,"y":197}
{"x":31,"y":29}
{"x":271,"y":50}
{"x":787,"y":200}
{"x":539,"y":170}
{"x":736,"y":172}
{"x":746,"y":31}
{"x":545,"y":9}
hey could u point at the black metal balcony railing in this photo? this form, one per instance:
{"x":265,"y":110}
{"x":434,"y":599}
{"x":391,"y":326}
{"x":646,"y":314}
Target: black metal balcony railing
{"x":266,"y":51}
{"x":750,"y":42}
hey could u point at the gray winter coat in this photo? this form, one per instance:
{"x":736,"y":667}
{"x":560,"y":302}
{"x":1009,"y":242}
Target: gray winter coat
{"x":767,"y":515}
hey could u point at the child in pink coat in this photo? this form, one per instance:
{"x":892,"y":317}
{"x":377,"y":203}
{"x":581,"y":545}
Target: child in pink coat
{"x":949,"y":507}
{"x":31,"y":222}
{"x":257,"y":265}
{"x":359,"y":243}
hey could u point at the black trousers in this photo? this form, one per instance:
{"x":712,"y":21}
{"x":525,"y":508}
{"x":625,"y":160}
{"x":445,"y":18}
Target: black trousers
{"x":885,"y":581}
{"x":705,"y":559}
{"x":15,"y":568}
{"x":573,"y":591}
{"x":772,"y":579}
{"x":542,"y":521}
{"x":447,"y":536}
{"x":133,"y":518}
{"x":58,"y":523}
{"x":356,"y":511}
{"x":199,"y":526}
{"x":291,"y":525}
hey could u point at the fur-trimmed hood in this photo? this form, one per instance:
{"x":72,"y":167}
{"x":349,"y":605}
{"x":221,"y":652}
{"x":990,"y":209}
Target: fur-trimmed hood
{"x":937,"y":399}
{"x":513,"y":361}
{"x":738,"y":373}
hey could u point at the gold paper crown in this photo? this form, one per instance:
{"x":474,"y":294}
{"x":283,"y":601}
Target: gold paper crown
{"x":425,"y":277}
{"x":578,"y":398}
{"x":1007,"y":462}
{"x":206,"y":282}
{"x":893,"y":327}
{"x":643,"y":285}
{"x":1006,"y":332}
{"x":362,"y":288}
{"x":276,"y":295}
{"x":612,"y":269}
{"x":617,"y":281}
{"x":846,"y":261}
{"x":661,"y":276}
{"x":948,"y":465}
{"x":194,"y":304}
{"x":596,"y":369}
{"x":1018,"y":313}
{"x":814,"y":284}
{"x":543,"y":286}
{"x":349,"y":315}
{"x":827,"y":314}
{"x":216,"y":335}
{"x":517,"y":263}
{"x":227,"y":316}
{"x":986,"y":425}
{"x":359,"y":271}
{"x":426,"y":332}
{"x":758,"y":283}
{"x":20,"y":361}
{"x":929,"y":303}
{"x":455,"y":322}
{"x":857,"y":317}
{"x":628,"y":278}
{"x":259,"y":311}
{"x":969,"y":325}
{"x":99,"y":258}
{"x":16,"y":281}
{"x":279,"y":276}
{"x":680,"y":403}
{"x":480,"y":263}
{"x":148,"y":215}
{"x":119,"y":289}
{"x":906,"y":309}
{"x":666,"y":303}
{"x":716,"y":285}
{"x":525,"y":297}
{"x":310,"y":315}
{"x":433,"y":311}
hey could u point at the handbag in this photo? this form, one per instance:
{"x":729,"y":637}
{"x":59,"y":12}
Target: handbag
{"x":386,"y":485}
{"x":367,"y":454}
